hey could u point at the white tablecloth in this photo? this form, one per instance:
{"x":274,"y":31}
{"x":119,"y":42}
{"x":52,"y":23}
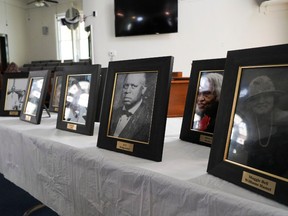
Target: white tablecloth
{"x":68,"y":173}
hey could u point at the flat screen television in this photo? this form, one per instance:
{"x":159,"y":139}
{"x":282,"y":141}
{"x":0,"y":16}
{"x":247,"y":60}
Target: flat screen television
{"x":142,"y":17}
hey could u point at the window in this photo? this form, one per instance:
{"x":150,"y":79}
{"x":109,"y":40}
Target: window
{"x":72,"y":44}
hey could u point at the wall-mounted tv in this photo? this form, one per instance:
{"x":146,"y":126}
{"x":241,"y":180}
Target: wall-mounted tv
{"x":142,"y":17}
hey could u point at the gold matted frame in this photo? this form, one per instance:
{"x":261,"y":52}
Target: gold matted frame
{"x":136,"y":99}
{"x":203,"y":95}
{"x":78,"y":100}
{"x":250,"y":147}
{"x":37,"y":87}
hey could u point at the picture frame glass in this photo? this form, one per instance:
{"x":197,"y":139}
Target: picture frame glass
{"x":76,"y":98}
{"x":258,"y":125}
{"x":34,"y":94}
{"x":57,"y":91}
{"x":206,"y":101}
{"x":133,"y":99}
{"x":15,"y":93}
{"x":202,"y":101}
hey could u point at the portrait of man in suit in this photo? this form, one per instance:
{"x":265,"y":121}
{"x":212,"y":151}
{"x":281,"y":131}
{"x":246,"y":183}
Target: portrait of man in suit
{"x":131,"y":116}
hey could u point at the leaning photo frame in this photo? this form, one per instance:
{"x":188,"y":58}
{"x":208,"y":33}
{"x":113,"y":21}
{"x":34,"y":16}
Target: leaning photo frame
{"x":202,"y":100}
{"x":13,"y":93}
{"x":36,"y":91}
{"x":56,"y":91}
{"x":250,"y":144}
{"x":78,"y":100}
{"x":136,"y":99}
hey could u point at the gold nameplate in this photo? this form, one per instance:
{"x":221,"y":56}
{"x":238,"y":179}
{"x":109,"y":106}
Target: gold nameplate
{"x":72,"y":126}
{"x":56,"y":109}
{"x":27,"y":118}
{"x":206,"y":139}
{"x":259,"y":182}
{"x":125,"y":146}
{"x":13,"y":113}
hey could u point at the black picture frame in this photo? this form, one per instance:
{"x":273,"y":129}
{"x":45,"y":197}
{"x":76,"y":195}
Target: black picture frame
{"x":143,"y":136}
{"x":13,"y":93}
{"x":101,"y":94}
{"x":100,"y":87}
{"x":209,"y":70}
{"x":77,"y":113}
{"x":56,"y":91}
{"x":238,"y":153}
{"x":34,"y":102}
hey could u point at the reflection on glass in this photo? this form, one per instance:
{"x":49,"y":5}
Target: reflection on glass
{"x":77,"y":97}
{"x":207,"y":100}
{"x":34,"y":96}
{"x":57,"y":91}
{"x":259,"y":134}
{"x":16,"y":89}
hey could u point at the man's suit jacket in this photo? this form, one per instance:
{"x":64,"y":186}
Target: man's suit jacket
{"x":138,"y":126}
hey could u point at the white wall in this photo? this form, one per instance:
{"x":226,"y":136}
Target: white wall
{"x":13,"y":23}
{"x":207,"y":29}
{"x":43,"y":47}
{"x":23,"y":25}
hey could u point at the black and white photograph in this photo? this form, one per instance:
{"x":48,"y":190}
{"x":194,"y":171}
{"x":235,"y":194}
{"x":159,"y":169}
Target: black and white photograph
{"x":76,"y":98}
{"x":131,"y":113}
{"x":136,"y":103}
{"x":13,"y":93}
{"x":258,"y":136}
{"x":250,"y":139}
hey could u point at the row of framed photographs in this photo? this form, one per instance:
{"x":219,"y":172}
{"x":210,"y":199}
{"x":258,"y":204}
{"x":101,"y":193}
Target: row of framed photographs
{"x":238,"y":107}
{"x":246,"y":126}
{"x":132,"y":97}
{"x":25,"y":95}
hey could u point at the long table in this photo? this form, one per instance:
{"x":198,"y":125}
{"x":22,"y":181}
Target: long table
{"x":67,"y":172}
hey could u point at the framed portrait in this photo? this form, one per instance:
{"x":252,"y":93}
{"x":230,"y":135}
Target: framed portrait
{"x":100,"y":87}
{"x":56,"y":91}
{"x":202,"y":101}
{"x":136,"y":104}
{"x":78,"y":100}
{"x":13,"y":93}
{"x":250,"y":140}
{"x":36,"y":91}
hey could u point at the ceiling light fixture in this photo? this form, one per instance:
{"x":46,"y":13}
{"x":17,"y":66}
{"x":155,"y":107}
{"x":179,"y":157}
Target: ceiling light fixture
{"x":39,"y":4}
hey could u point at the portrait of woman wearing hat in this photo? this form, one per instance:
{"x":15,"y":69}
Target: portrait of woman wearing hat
{"x":261,"y":128}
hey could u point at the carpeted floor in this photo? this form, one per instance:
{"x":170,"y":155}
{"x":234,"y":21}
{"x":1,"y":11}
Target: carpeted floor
{"x":15,"y":202}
